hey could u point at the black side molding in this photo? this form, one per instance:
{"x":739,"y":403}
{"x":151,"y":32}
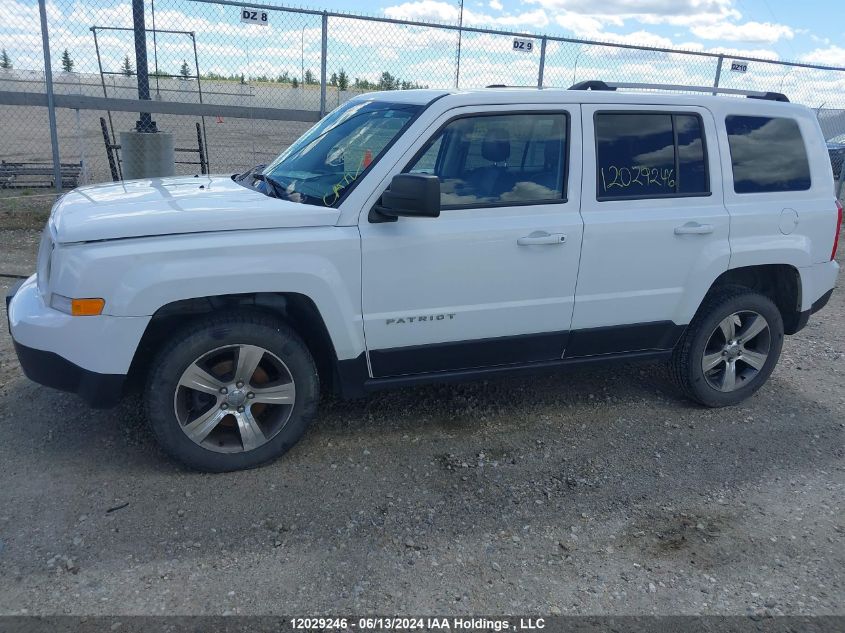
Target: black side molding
{"x":467,"y":355}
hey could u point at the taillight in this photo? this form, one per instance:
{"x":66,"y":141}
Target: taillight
{"x":838,"y":225}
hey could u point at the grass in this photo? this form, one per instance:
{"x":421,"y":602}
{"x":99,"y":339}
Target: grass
{"x":25,"y":208}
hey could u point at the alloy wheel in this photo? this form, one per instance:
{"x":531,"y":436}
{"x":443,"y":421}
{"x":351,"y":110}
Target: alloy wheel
{"x":234,"y":398}
{"x":736,"y":350}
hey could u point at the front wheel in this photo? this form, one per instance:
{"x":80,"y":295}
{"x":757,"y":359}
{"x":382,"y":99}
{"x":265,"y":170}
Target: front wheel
{"x":730,"y":349}
{"x":231,"y":392}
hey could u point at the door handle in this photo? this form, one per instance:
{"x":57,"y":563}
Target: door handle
{"x":538,"y":238}
{"x":694,"y":228}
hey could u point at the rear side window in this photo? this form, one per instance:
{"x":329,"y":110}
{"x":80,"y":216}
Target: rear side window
{"x":767,"y":154}
{"x":650,"y":155}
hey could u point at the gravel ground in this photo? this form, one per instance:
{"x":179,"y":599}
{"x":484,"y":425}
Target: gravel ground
{"x":593,"y":492}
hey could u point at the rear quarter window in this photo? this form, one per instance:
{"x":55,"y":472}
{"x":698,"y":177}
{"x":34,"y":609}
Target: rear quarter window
{"x":767,"y":154}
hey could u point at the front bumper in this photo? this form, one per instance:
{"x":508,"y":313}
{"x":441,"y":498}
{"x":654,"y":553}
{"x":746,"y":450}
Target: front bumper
{"x":88,"y":356}
{"x":100,"y":391}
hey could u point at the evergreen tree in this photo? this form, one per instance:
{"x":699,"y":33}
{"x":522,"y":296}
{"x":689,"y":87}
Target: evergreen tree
{"x":342,"y":80}
{"x":284,"y":78}
{"x":295,"y":83}
{"x":388,"y":82}
{"x":309,"y":77}
{"x":126,"y":69}
{"x":333,"y":79}
{"x":185,"y":70}
{"x":67,"y":62}
{"x":5,"y":62}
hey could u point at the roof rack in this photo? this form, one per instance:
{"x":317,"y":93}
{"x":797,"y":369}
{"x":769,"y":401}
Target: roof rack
{"x":751,"y":94}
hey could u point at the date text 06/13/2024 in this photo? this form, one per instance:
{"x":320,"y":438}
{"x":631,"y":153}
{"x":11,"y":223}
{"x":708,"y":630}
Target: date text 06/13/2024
{"x":421,"y":623}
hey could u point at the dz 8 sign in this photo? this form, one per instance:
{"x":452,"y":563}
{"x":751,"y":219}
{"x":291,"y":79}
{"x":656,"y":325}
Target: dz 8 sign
{"x":251,"y":16}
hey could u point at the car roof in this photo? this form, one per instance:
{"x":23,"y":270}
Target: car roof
{"x":522,"y":95}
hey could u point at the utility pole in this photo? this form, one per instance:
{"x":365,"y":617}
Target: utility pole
{"x":460,"y":33}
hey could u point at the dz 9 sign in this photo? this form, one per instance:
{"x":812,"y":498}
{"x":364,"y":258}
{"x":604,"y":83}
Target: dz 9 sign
{"x":525,"y":46}
{"x":251,"y":16}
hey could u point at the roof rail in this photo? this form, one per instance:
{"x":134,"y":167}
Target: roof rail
{"x":751,"y":94}
{"x":593,"y":84}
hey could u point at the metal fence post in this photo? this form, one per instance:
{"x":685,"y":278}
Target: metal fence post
{"x":145,"y":121}
{"x":542,"y":62}
{"x":718,"y":72}
{"x":51,"y":106}
{"x":323,"y":50}
{"x":199,"y":87}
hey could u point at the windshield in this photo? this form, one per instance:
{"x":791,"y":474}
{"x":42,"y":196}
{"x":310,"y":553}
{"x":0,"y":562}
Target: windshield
{"x":329,"y":157}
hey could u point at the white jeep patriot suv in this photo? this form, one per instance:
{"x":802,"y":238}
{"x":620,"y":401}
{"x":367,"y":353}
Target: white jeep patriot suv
{"x":434,"y":235}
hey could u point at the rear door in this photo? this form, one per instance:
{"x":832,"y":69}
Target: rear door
{"x":491,"y":281}
{"x":655,"y":226}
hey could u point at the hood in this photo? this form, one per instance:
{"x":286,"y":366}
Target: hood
{"x":169,"y":206}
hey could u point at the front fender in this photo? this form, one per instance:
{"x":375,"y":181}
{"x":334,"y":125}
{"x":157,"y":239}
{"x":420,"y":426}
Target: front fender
{"x":137,"y":277}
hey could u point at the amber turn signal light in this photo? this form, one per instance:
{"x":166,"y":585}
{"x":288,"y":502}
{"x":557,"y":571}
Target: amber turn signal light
{"x":86,"y":307}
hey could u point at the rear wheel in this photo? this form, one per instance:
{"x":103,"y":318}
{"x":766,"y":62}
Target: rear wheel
{"x":232,"y":392}
{"x":730,"y":349}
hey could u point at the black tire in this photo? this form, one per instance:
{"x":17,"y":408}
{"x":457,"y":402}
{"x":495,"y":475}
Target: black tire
{"x":685,"y":366}
{"x":200,"y":338}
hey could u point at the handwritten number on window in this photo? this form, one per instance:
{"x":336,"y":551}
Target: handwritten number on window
{"x":637,"y":176}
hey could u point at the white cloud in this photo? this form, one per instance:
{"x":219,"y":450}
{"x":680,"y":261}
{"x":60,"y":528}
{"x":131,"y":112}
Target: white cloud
{"x":436,"y":11}
{"x":833,"y":55}
{"x":585,"y":26}
{"x":747,"y":32}
{"x":496,"y":5}
{"x":432,"y":10}
{"x":677,"y":12}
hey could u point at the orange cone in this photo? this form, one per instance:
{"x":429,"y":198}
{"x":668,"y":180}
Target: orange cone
{"x":368,"y":158}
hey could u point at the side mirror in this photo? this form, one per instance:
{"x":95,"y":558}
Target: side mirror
{"x":409,"y":195}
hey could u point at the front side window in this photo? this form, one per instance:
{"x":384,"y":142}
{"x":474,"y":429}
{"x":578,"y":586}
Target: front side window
{"x":498,"y":160}
{"x":320,"y":166}
{"x":767,"y":154}
{"x":650,"y":155}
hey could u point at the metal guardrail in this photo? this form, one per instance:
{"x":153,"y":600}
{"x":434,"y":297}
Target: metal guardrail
{"x":82,"y":102}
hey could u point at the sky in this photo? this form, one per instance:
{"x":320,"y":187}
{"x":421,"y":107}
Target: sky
{"x":808,"y":31}
{"x":798,"y":31}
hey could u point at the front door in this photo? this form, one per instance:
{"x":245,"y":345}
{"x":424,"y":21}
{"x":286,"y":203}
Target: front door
{"x":490,"y":282}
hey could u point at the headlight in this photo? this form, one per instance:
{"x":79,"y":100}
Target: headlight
{"x":77,"y":307}
{"x":45,"y":256}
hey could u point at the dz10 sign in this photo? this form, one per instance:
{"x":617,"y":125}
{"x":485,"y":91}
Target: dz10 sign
{"x":739,"y":67}
{"x":251,"y":16}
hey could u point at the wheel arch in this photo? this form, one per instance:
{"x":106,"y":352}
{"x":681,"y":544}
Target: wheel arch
{"x":779,"y":282}
{"x":297,"y":310}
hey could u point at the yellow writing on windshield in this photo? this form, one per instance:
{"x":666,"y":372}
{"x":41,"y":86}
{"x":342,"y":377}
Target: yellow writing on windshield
{"x":330,"y":198}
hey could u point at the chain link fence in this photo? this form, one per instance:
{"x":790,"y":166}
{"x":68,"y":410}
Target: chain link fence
{"x":235,"y":90}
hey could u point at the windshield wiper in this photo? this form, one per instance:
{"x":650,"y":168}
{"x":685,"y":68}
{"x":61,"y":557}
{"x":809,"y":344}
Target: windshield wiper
{"x":278,"y":189}
{"x":249,"y":172}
